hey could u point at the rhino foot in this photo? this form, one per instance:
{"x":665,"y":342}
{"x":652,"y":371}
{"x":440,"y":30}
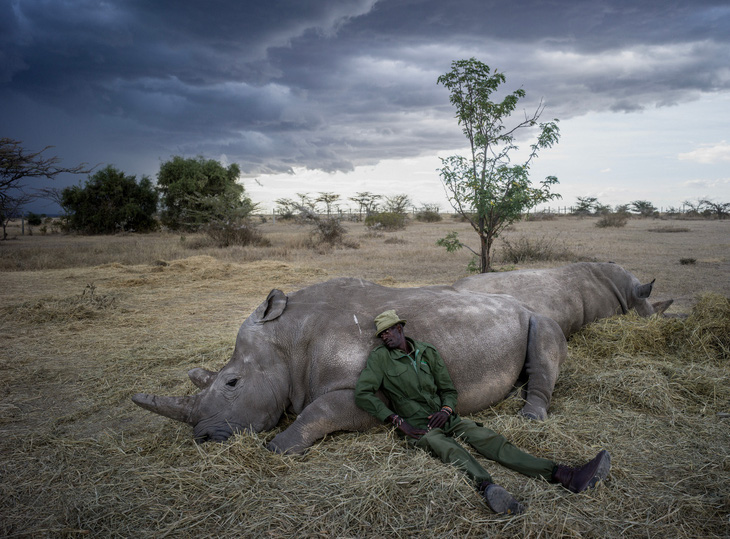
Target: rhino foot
{"x":533,"y":412}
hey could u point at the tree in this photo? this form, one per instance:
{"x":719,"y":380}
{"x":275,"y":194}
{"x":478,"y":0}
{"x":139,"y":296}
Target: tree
{"x":720,"y":209}
{"x":16,"y":165}
{"x":643,"y":207}
{"x":367,"y":201}
{"x":109,"y":202}
{"x":398,"y":204}
{"x":196,"y":191}
{"x":485,"y":187}
{"x":328,"y":199}
{"x":585,"y":205}
{"x":286,"y":208}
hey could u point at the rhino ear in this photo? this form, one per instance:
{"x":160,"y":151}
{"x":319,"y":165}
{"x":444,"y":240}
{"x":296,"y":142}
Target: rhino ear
{"x":202,"y":378}
{"x":643,"y":291}
{"x":272,"y":308}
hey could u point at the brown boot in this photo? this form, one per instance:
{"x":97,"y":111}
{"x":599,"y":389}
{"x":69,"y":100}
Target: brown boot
{"x":579,"y":479}
{"x":499,"y":500}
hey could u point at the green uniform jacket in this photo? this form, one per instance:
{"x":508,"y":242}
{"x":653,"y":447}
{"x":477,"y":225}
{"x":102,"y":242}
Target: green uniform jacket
{"x":416,"y":386}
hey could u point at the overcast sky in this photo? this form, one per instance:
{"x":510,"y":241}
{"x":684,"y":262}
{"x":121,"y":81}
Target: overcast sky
{"x":309,"y":96}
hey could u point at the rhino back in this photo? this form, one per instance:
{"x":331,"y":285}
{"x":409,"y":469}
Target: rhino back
{"x":572,"y":295}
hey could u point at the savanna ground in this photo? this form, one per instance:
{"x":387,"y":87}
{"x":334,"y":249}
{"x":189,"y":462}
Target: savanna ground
{"x":86,"y":322}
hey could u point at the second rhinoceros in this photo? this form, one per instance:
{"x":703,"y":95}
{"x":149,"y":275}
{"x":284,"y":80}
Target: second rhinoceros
{"x":303,"y":353}
{"x":572,"y":295}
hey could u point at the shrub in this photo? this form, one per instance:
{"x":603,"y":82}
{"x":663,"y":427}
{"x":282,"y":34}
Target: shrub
{"x":429,"y":214}
{"x":616,"y":220}
{"x":243,"y":234}
{"x":386,"y":220}
{"x":523,"y":249}
{"x":669,"y":229}
{"x":544,"y":215}
{"x":109,"y":202}
{"x":34,"y":219}
{"x":328,"y":230}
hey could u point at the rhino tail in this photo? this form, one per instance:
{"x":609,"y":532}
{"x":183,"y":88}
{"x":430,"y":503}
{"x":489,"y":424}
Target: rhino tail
{"x":178,"y":408}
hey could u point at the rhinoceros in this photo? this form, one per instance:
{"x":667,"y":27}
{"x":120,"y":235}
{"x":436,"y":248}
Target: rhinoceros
{"x":304,"y":352}
{"x":572,"y":295}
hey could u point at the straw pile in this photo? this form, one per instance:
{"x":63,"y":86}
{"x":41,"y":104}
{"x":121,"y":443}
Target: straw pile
{"x":78,"y":458}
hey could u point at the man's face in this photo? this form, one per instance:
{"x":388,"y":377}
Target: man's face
{"x":393,"y":337}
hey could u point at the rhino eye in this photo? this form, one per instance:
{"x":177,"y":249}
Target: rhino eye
{"x":232,"y":382}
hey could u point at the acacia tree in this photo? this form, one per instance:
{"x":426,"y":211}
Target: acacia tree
{"x":485,"y":187}
{"x":328,"y":199}
{"x":643,"y":207}
{"x":367,"y":201}
{"x":720,"y":209}
{"x":17,"y":165}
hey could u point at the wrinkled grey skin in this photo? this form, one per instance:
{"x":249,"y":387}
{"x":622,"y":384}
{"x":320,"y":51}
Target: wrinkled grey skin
{"x":573,"y":295}
{"x":304,"y":353}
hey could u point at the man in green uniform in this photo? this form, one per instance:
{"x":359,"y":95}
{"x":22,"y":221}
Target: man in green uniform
{"x":415,"y":379}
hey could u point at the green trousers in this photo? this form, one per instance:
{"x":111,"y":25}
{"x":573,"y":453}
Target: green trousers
{"x":443,"y":444}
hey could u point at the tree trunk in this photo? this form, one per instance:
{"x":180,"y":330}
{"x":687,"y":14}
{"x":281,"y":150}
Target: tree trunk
{"x":484,"y":255}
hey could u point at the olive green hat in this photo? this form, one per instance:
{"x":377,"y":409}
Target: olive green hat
{"x":387,"y":320}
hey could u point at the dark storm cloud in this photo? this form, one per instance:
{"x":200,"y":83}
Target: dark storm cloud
{"x":331,"y":84}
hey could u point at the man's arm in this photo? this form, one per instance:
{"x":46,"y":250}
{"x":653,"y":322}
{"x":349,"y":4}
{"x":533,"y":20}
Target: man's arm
{"x":371,"y":378}
{"x":442,"y":379}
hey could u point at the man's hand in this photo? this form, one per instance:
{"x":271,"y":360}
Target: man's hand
{"x":406,"y":428}
{"x":410,"y":430}
{"x":439,"y":419}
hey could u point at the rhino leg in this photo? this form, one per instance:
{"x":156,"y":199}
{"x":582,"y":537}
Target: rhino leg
{"x":546,"y":350}
{"x":331,"y":412}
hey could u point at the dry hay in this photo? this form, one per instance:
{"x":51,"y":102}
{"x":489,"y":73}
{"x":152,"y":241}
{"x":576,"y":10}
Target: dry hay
{"x":652,"y":391}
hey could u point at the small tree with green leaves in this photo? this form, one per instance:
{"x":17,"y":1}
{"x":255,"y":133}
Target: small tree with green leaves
{"x":486,"y":188}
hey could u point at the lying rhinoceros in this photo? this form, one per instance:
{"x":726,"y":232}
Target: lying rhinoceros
{"x":303,"y":353}
{"x":572,"y":295}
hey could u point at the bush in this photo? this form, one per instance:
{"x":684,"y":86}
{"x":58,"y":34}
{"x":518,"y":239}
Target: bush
{"x":34,"y":219}
{"x":243,"y":234}
{"x":429,"y":214}
{"x":616,"y":220}
{"x":523,"y":249}
{"x":195,"y":192}
{"x":543,"y":215}
{"x":386,"y":220}
{"x":109,"y":202}
{"x":328,"y":230}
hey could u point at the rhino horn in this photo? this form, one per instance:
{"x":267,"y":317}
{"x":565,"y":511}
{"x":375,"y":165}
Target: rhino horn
{"x":178,"y":408}
{"x":644,"y":290}
{"x":202,"y":378}
{"x":661,"y":306}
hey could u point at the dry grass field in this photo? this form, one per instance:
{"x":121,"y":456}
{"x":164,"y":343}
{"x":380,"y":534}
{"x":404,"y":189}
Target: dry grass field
{"x":88,"y":321}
